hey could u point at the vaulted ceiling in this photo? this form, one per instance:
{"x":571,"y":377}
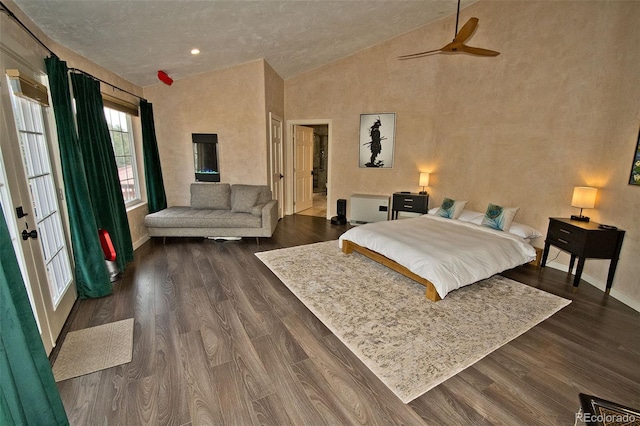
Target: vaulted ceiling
{"x":136,"y":38}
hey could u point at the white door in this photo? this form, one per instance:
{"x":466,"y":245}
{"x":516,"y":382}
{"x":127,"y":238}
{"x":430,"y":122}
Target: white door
{"x":30,"y":186}
{"x":303,"y":143}
{"x":276,"y":161}
{"x":9,"y":215}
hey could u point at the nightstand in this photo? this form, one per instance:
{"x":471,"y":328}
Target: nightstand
{"x":584,"y":240}
{"x":409,"y":202}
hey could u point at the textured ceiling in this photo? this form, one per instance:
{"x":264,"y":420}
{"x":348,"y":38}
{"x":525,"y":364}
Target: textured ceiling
{"x":136,"y":38}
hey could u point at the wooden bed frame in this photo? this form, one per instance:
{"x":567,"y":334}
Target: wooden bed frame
{"x":349,"y":247}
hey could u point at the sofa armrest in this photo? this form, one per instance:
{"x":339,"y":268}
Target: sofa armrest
{"x":270,"y":216}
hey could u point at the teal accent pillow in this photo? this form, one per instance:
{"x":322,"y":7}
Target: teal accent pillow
{"x":451,"y":209}
{"x":498,"y":217}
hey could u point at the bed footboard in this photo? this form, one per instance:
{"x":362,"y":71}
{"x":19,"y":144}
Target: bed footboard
{"x":349,"y":247}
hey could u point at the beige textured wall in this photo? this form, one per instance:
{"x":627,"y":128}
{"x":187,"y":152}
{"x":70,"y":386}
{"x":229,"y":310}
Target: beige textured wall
{"x":274,"y":92}
{"x":558,"y":108}
{"x":274,"y":103}
{"x":230,"y":103}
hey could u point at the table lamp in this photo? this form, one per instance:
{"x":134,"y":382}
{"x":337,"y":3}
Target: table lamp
{"x":584,"y":197}
{"x":424,"y":182}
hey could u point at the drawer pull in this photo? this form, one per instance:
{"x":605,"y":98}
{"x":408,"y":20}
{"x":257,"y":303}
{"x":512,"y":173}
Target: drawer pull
{"x":565,"y":231}
{"x":408,"y":200}
{"x":407,"y":207}
{"x":563,"y":241}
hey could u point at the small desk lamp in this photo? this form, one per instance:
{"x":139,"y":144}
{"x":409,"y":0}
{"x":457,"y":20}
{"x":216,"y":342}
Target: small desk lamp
{"x":584,"y":197}
{"x":424,"y":182}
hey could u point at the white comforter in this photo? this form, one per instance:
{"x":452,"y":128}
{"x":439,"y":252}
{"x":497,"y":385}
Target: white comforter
{"x":449,"y":253}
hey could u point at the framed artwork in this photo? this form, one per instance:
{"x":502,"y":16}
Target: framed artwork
{"x":377,"y":140}
{"x":634,"y":179}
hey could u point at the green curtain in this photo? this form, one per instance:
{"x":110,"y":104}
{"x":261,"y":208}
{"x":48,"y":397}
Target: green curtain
{"x":156,"y":197}
{"x":100,"y":166}
{"x":29,"y":395}
{"x":92,"y":277}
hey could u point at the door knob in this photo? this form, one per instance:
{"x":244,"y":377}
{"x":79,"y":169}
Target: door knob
{"x":26,"y":234}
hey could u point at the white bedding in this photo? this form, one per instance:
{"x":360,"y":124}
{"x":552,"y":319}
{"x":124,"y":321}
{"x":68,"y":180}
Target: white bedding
{"x":449,"y":253}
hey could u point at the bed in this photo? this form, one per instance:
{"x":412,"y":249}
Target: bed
{"x":442,"y":254}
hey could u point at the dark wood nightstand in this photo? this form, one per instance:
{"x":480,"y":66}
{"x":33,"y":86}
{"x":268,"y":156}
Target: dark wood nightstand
{"x":408,"y":202}
{"x":584,"y":240}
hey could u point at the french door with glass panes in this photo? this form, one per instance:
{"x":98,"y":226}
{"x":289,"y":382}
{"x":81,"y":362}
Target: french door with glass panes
{"x":32,"y":209}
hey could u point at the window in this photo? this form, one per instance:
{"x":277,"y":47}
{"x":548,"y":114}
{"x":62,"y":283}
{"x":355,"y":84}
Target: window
{"x":119,"y":125}
{"x":37,"y":165}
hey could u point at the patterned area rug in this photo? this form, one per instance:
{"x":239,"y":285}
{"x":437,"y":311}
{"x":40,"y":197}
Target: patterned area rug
{"x":408,"y":342}
{"x":92,"y":349}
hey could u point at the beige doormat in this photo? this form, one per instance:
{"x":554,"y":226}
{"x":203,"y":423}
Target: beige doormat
{"x":410,"y":343}
{"x":94,"y":349}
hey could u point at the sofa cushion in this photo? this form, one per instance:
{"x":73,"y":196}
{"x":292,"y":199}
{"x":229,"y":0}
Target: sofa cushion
{"x":211,"y":196}
{"x":187,"y":217}
{"x":244,"y":197}
{"x":265,"y":195}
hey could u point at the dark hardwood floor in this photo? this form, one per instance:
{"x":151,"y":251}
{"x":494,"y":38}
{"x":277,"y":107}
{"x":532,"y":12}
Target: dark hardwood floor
{"x":220,"y":340}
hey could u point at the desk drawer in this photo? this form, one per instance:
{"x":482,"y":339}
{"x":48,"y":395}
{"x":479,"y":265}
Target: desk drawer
{"x":410,"y":203}
{"x":566,"y":237}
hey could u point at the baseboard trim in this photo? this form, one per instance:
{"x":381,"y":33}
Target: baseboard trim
{"x":140,"y":242}
{"x":601,"y":285}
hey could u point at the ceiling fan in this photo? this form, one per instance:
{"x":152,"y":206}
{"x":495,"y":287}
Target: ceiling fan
{"x":457,"y":45}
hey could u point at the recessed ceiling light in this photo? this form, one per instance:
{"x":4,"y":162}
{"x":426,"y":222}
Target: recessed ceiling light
{"x":195,"y":51}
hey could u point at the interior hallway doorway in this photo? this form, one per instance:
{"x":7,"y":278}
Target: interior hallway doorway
{"x":321,"y":170}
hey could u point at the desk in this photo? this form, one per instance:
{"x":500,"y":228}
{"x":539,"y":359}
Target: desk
{"x":408,"y":202}
{"x":584,"y":240}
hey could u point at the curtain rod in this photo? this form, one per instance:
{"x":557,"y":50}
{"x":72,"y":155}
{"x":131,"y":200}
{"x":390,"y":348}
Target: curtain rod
{"x":76,"y":70}
{"x":24,"y":27}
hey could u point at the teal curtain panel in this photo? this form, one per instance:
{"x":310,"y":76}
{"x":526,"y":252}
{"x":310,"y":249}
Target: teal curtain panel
{"x":92,"y":277}
{"x":100,"y":166}
{"x":156,"y":197}
{"x":29,"y":395}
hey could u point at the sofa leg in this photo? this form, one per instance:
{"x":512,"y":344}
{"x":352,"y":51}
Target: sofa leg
{"x":258,"y":241}
{"x":164,"y":240}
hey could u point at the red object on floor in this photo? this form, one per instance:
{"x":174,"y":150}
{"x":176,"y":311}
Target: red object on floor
{"x":107,"y":245}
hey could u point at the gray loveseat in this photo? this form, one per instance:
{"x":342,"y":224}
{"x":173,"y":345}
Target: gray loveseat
{"x":218,"y":210}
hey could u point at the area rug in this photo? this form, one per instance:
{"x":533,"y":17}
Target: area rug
{"x":94,"y":349}
{"x":410,"y":343}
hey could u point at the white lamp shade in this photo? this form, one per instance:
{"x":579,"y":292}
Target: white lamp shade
{"x":584,"y":197}
{"x":424,"y":179}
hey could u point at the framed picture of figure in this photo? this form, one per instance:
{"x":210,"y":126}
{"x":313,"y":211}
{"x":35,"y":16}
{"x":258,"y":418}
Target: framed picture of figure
{"x":377,"y":140}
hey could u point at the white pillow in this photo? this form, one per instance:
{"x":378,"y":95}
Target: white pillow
{"x":471,"y":216}
{"x":451,"y":209}
{"x":524,"y":231}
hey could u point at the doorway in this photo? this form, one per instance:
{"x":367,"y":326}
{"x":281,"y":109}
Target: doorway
{"x":320,"y":165}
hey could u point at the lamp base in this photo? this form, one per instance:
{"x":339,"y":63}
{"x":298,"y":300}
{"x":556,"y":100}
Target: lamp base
{"x":580,"y":218}
{"x":422,"y":192}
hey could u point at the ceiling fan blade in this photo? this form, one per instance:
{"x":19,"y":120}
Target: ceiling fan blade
{"x":478,"y":51}
{"x":419,"y":55}
{"x":454,"y":46}
{"x":466,"y":30}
